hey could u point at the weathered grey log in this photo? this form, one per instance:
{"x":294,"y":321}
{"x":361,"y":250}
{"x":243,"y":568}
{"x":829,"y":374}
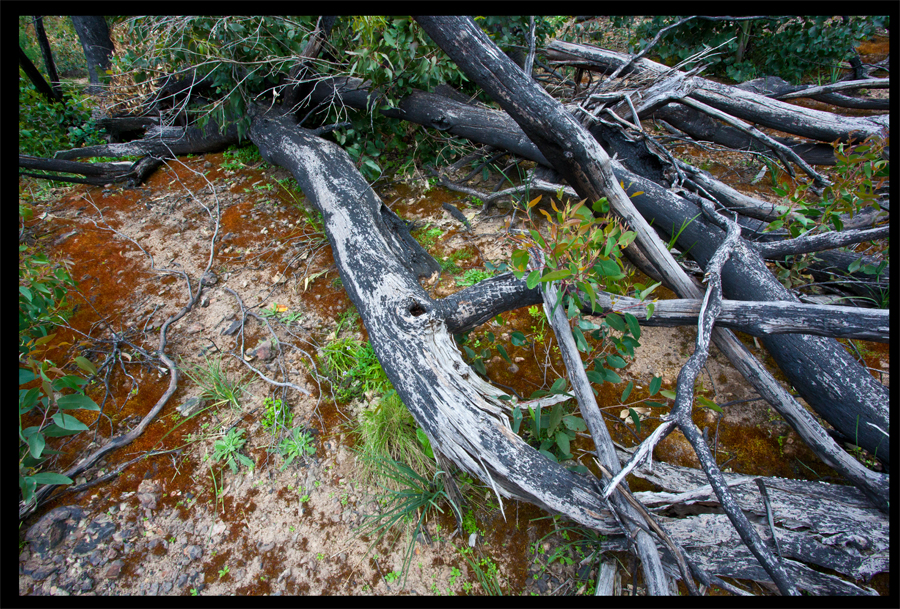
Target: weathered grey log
{"x":761,"y":318}
{"x":98,"y":173}
{"x":703,"y":128}
{"x":605,"y":450}
{"x":827,"y":525}
{"x":773,"y":86}
{"x":822,"y":241}
{"x":461,"y":414}
{"x":815,"y":124}
{"x":684,"y":399}
{"x":435,"y":111}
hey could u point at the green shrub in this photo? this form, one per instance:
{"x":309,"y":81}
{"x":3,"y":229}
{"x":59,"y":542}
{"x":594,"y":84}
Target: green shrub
{"x":46,"y":126}
{"x":353,"y":369}
{"x":43,"y":305}
{"x":276,"y":415}
{"x":790,"y":47}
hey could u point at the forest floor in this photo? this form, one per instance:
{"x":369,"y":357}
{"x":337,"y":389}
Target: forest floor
{"x":181,"y":523}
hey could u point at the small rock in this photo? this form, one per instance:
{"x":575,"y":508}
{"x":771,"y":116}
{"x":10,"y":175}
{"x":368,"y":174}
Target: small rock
{"x":209,"y":278}
{"x":114,"y":569}
{"x":232,"y":328}
{"x":53,"y":527}
{"x":96,"y":558}
{"x":44,"y":572}
{"x":190,"y":406}
{"x":193,"y":552}
{"x":204,"y":302}
{"x":265,"y":547}
{"x":148,"y":494}
{"x":513,"y":369}
{"x":264,"y":351}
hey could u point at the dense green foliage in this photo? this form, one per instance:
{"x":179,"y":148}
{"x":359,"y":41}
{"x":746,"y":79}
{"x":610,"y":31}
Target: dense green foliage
{"x":68,"y":55}
{"x":392,"y":53}
{"x":46,"y":126}
{"x":46,"y":393}
{"x":794,"y":48}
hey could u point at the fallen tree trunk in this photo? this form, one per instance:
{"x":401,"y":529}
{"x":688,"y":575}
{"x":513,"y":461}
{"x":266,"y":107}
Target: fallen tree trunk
{"x":439,"y":112}
{"x":814,"y":124}
{"x":163,"y":142}
{"x":772,"y":86}
{"x":462,"y":415}
{"x":826,"y":525}
{"x":98,"y":173}
{"x":832,"y":382}
{"x":761,"y":318}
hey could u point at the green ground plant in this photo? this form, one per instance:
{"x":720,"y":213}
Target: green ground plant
{"x":228,"y":449}
{"x":387,"y":430}
{"x":298,"y":444}
{"x":551,"y":430}
{"x":353,"y":369}
{"x":47,"y":126}
{"x":860,"y":174}
{"x":276,"y":415}
{"x":473,"y":276}
{"x":407,"y":505}
{"x":449,"y":263}
{"x":215,"y":383}
{"x":43,"y":305}
{"x":485,"y":570}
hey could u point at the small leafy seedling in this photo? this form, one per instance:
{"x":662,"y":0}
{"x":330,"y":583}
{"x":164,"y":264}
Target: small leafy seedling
{"x":228,"y":449}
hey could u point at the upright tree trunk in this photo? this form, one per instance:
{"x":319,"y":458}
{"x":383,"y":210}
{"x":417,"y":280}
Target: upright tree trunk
{"x":94,"y":35}
{"x":48,"y":55}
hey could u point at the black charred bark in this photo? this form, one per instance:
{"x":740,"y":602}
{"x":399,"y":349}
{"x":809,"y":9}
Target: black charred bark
{"x":36,"y":78}
{"x":98,"y":48}
{"x":48,"y":55}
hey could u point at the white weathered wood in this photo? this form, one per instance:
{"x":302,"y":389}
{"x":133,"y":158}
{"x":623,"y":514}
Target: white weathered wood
{"x":815,"y":124}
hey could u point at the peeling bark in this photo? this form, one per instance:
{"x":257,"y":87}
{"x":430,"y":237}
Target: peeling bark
{"x":461,"y":414}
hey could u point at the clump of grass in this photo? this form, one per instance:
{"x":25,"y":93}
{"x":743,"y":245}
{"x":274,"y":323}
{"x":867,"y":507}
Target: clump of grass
{"x":473,"y":276}
{"x":408,"y":502}
{"x":354,"y":369}
{"x":449,"y":263}
{"x":215,"y":383}
{"x":388,"y":431}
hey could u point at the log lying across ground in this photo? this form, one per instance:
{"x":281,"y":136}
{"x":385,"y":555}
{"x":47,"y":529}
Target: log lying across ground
{"x":825,"y":525}
{"x":461,"y":414}
{"x":163,"y":142}
{"x":806,"y":122}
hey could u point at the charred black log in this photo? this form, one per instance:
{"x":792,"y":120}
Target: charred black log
{"x":163,"y":142}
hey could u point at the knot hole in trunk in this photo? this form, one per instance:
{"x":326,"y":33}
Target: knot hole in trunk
{"x":416,"y":309}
